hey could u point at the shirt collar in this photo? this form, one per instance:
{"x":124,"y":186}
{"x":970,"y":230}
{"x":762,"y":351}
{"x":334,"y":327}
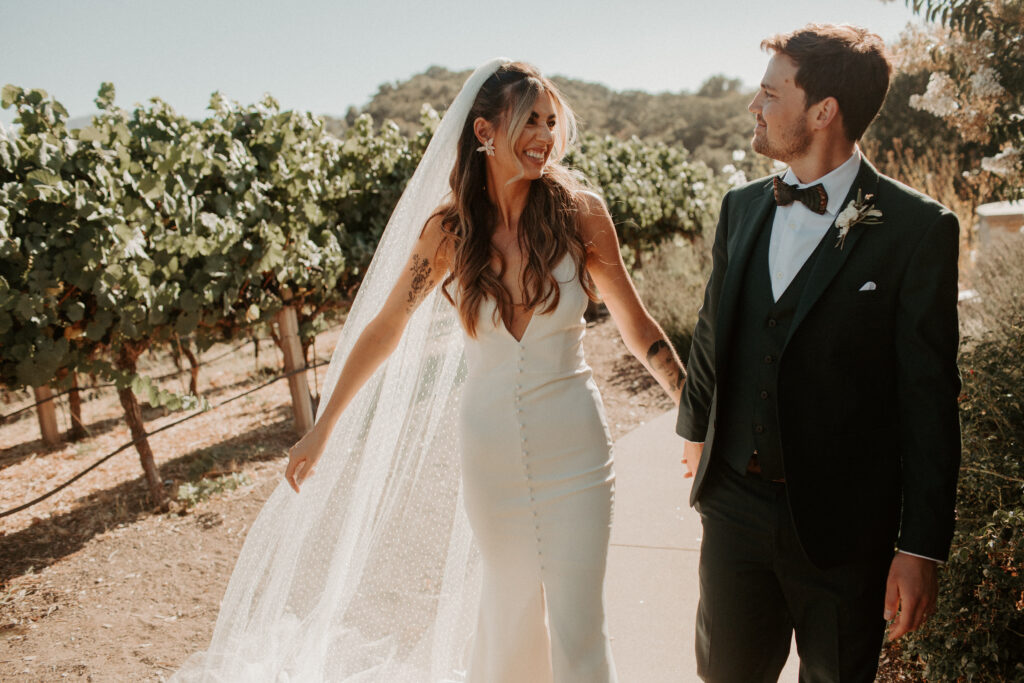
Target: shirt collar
{"x":837,"y":182}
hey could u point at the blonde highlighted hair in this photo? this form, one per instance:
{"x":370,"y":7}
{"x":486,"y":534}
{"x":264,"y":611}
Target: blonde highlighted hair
{"x":549,"y":224}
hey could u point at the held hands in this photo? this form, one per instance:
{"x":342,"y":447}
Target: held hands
{"x":691,"y":456}
{"x":912,"y":587}
{"x":302,"y":458}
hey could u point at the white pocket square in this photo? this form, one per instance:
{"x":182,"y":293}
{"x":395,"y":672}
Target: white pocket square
{"x":868,"y":286}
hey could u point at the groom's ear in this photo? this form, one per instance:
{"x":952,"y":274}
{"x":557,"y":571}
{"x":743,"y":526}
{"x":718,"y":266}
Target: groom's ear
{"x":825,"y":113}
{"x":483,"y":129}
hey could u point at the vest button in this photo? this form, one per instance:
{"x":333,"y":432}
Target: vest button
{"x":772,"y":322}
{"x":768,"y":359}
{"x":759,"y":429}
{"x":764,"y":394}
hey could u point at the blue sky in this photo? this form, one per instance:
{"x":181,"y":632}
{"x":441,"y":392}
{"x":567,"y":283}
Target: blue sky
{"x":323,"y":56}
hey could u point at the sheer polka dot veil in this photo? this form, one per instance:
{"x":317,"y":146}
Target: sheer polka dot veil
{"x":369,"y":574}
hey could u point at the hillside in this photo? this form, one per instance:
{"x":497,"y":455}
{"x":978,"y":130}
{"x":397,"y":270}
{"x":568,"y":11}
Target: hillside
{"x":710,"y":123}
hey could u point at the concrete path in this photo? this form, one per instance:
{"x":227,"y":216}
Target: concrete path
{"x":652,"y":566}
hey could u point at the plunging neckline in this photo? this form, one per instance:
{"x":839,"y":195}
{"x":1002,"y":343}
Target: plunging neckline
{"x":533,"y":313}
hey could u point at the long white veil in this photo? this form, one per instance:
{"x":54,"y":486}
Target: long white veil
{"x":370,"y":573}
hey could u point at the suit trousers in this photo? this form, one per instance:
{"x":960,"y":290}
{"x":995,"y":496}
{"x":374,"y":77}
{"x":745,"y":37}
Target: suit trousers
{"x":757,"y":586}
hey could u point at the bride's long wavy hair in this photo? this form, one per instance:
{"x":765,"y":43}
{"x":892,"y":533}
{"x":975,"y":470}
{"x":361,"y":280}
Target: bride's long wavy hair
{"x":550,"y":219}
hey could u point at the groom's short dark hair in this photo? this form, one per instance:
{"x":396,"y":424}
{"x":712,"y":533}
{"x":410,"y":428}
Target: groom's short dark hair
{"x":846,"y":62}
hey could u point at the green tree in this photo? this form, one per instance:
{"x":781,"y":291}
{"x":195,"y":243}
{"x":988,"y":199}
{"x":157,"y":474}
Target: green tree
{"x":719,"y":85}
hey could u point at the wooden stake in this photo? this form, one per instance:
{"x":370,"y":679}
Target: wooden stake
{"x":77,"y":430}
{"x":47,"y":412}
{"x":291,"y":347}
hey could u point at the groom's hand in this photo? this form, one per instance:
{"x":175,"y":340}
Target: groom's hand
{"x":691,"y":456}
{"x":912,"y":588}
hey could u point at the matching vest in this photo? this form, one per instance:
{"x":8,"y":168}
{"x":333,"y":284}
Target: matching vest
{"x":748,"y":416}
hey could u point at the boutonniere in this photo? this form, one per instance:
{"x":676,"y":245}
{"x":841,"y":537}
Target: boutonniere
{"x":859,"y":210}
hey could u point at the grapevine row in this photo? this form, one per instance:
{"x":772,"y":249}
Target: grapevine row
{"x":148,"y":230}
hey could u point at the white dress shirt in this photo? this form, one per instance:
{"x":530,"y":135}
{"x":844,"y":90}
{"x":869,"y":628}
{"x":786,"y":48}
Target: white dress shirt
{"x":797,"y":230}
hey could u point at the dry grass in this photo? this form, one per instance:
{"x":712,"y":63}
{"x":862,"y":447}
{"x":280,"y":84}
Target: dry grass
{"x":671,"y":285}
{"x":998,"y":285}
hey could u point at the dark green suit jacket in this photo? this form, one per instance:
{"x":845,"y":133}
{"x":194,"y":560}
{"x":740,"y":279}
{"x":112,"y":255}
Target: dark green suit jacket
{"x":868,"y":382}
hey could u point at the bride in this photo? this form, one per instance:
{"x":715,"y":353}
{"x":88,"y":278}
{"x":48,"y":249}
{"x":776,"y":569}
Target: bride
{"x":457,"y":526}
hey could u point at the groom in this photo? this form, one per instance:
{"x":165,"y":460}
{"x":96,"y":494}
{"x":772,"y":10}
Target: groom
{"x":820,"y":410}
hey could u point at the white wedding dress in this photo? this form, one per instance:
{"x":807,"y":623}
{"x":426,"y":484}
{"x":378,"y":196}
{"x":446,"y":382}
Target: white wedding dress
{"x":538,"y":487}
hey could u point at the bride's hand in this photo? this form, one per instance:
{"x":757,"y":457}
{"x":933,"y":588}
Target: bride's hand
{"x":302,"y":458}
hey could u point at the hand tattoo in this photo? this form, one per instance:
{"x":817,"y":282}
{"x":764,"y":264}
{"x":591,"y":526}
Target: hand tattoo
{"x":421,"y":281}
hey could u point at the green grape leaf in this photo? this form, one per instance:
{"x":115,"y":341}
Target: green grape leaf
{"x":10,"y":95}
{"x":91,"y":134}
{"x":75,"y":311}
{"x":43,"y":177}
{"x":151,"y":187}
{"x":187,"y":322}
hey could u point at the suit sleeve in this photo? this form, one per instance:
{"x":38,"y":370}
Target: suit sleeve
{"x":699,"y":388}
{"x":927,"y":343}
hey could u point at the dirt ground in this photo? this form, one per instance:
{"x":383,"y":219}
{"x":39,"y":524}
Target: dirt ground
{"x":96,"y":586}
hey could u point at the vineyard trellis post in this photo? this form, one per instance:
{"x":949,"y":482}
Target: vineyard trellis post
{"x":77,"y":431}
{"x":47,"y":413}
{"x":294,"y":365}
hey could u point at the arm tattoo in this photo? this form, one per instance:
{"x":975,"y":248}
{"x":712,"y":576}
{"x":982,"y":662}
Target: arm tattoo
{"x":662,"y":361}
{"x":420,"y":281}
{"x":655,"y":349}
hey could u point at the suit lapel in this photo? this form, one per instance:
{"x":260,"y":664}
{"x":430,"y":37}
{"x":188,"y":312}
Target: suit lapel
{"x":747,"y":228}
{"x":831,"y":258}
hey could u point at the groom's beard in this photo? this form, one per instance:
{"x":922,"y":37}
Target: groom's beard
{"x":794,"y":143}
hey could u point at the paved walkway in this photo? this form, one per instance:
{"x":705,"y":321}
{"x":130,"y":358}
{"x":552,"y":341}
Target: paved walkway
{"x":652,"y":565}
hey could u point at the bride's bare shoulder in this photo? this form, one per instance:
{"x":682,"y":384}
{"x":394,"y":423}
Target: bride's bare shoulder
{"x":594,"y":215}
{"x":590,"y":199}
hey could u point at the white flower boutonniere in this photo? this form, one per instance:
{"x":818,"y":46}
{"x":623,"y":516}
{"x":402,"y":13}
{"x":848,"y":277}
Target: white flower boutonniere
{"x":859,"y":210}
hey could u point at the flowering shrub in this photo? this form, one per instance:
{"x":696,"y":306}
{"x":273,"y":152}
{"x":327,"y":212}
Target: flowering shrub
{"x":977,"y":632}
{"x":976,"y":59}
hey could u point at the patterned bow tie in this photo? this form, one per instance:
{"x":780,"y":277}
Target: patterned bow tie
{"x":814,"y":197}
